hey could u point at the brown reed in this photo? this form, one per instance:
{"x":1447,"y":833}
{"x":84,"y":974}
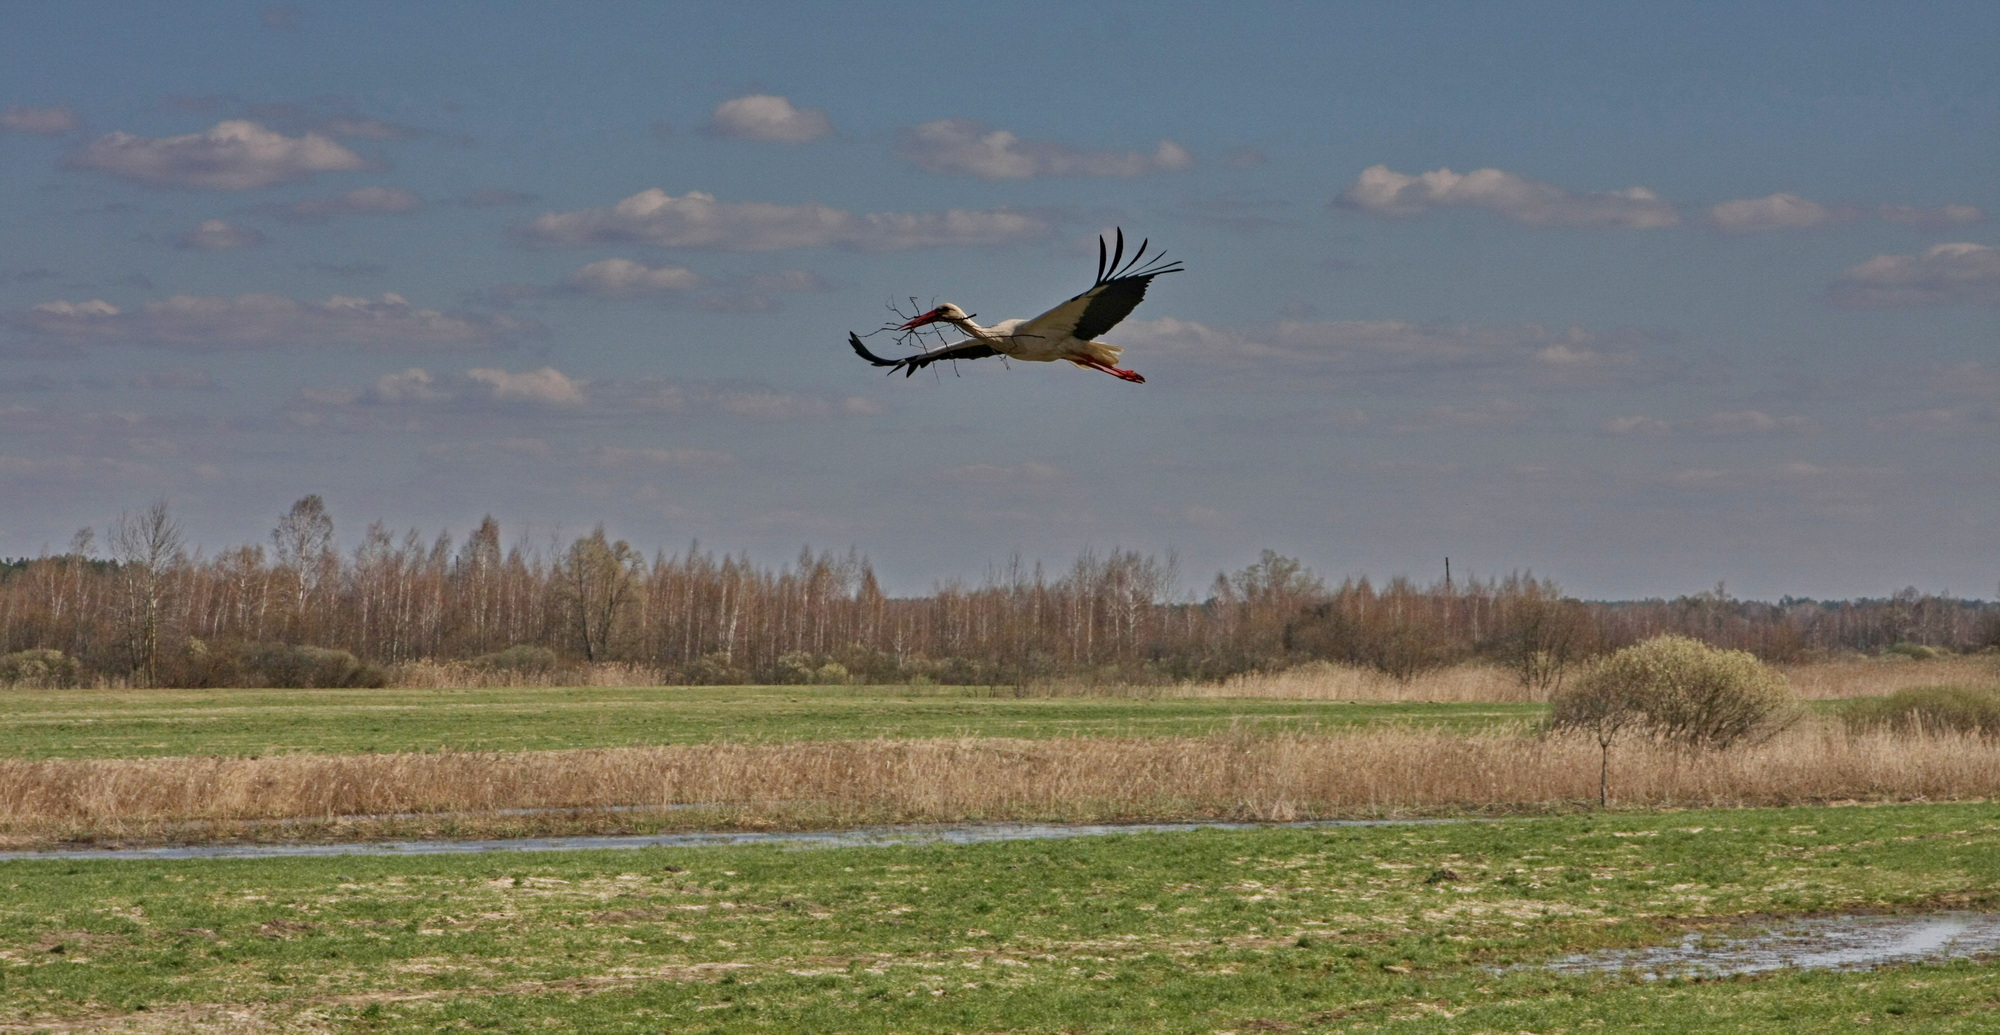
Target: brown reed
{"x":1880,"y":677}
{"x":841,"y":783}
{"x":1325,"y":680}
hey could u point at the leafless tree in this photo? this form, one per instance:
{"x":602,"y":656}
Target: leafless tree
{"x":148,"y":546}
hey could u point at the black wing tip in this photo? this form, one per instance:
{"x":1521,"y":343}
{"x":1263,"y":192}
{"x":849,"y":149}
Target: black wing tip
{"x":1120,"y":268}
{"x":861,"y":350}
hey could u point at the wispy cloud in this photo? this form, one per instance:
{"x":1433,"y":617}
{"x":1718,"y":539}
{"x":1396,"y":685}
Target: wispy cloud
{"x":623,"y":278}
{"x":1773,"y":212}
{"x":547,"y":386}
{"x":698,"y":220}
{"x":1729,"y":423}
{"x":1387,"y":345}
{"x":1381,"y":191}
{"x":198,"y":323}
{"x":230,"y":156}
{"x":215,"y":235}
{"x":966,"y":147}
{"x":762,"y":116}
{"x":1946,"y":274}
{"x":1790,"y":212}
{"x":45,"y":122}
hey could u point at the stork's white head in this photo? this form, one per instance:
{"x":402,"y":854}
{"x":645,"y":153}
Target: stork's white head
{"x":946,"y":313}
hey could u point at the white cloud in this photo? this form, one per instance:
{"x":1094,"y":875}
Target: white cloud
{"x":1636,"y":424}
{"x":1752,"y":422}
{"x":361,"y":128}
{"x":412,"y":385}
{"x":257,"y":321}
{"x":234,"y":155}
{"x":1944,"y":419}
{"x":762,"y":116}
{"x":1940,"y":218}
{"x":547,"y":386}
{"x":623,"y":278}
{"x":1378,"y":344}
{"x":1381,"y":191}
{"x":1735,"y":422}
{"x":1773,"y":212}
{"x":214,"y":235}
{"x":966,"y":147}
{"x":361,"y":201}
{"x":1946,"y":274}
{"x":1791,"y":212}
{"x":698,"y":220}
{"x":47,"y":122}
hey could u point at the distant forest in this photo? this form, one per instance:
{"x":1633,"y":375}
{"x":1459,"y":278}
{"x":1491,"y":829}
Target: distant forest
{"x":142,"y":610}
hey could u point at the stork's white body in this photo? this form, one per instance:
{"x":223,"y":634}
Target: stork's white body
{"x":1043,"y":339}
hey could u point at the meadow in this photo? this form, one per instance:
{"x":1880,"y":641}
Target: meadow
{"x":142,"y":723}
{"x":1434,"y":928}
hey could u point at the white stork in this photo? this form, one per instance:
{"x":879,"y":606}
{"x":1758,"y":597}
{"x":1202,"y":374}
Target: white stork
{"x":1064,"y":332}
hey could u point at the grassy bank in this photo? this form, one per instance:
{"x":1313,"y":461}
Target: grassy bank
{"x":1396,"y":929}
{"x":822,"y":784}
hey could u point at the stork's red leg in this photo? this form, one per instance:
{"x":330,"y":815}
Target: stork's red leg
{"x":1118,"y":372}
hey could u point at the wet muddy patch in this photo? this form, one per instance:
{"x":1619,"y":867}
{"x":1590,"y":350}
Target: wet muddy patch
{"x":1848,"y":942}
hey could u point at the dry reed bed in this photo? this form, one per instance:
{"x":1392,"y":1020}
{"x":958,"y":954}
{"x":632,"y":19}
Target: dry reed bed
{"x":1323,"y":680}
{"x":835,"y":783}
{"x":1880,"y":677}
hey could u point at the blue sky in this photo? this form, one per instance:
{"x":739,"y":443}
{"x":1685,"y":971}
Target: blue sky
{"x":1642,"y":297}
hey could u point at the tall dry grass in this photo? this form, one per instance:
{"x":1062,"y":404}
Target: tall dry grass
{"x":1823,"y":680}
{"x":838,"y":783}
{"x":1880,"y":677}
{"x":1325,"y":680}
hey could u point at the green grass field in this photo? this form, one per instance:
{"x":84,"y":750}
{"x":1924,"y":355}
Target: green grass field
{"x":1348,"y":929}
{"x":134,"y":723}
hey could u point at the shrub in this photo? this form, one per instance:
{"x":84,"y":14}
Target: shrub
{"x":521,"y":657}
{"x":1928,"y":709}
{"x":1680,"y":691}
{"x":297,"y":666}
{"x":39,"y":668}
{"x":1915,"y":651}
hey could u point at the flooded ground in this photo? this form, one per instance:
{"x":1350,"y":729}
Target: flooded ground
{"x":960,"y":834}
{"x":1806,"y":943}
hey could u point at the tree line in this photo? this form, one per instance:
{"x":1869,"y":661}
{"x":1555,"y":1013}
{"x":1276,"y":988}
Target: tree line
{"x":144,"y":609}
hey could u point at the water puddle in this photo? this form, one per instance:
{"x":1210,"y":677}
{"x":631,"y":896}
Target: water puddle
{"x":961,"y":834}
{"x":1805,"y":943}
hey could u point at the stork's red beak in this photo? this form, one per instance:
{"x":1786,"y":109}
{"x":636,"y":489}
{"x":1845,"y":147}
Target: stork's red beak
{"x":931,"y":317}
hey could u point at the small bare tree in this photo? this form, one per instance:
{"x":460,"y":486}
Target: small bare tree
{"x":147,"y":546}
{"x":1604,"y":709}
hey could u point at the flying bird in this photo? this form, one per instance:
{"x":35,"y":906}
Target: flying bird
{"x":1064,"y":332}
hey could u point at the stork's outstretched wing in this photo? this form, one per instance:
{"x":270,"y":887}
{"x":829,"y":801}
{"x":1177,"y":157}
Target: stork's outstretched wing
{"x":970,"y":349}
{"x":1119,"y":289}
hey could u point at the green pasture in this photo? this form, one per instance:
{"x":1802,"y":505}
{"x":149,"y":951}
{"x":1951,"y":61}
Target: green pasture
{"x":1414,"y":928}
{"x":133,"y":723}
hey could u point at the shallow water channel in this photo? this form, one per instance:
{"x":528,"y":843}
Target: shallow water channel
{"x":1804,"y":943}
